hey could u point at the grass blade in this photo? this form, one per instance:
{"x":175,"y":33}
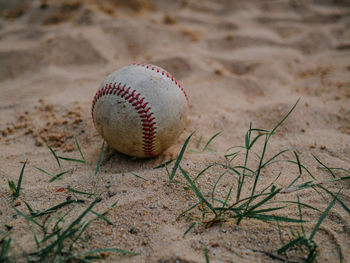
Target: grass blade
{"x":300,"y":216}
{"x":206,"y":255}
{"x":54,"y":208}
{"x":164,"y":164}
{"x":178,"y":160}
{"x":27,"y":217}
{"x":5,"y":249}
{"x":187,"y":210}
{"x":79,"y":192}
{"x":285,"y":117}
{"x":81,"y":154}
{"x":42,"y":170}
{"x":271,"y":195}
{"x":329,"y":170}
{"x":291,"y":244}
{"x":31,"y":211}
{"x":99,"y":159}
{"x":54,"y":155}
{"x":196,"y":191}
{"x":199,"y":142}
{"x":210,"y":140}
{"x":323,"y":216}
{"x":71,"y":159}
{"x":101,"y":216}
{"x":12,"y":187}
{"x":57,"y":176}
{"x":94,"y":251}
{"x":19,"y":183}
{"x":138,"y":176}
{"x":195,"y":179}
{"x":272,"y":158}
{"x":189,"y":229}
{"x":347,"y":209}
{"x":263,"y":217}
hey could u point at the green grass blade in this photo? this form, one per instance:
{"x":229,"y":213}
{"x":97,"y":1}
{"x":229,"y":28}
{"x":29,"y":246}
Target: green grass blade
{"x":187,"y":210}
{"x":57,"y":176}
{"x":322,"y":217}
{"x":179,"y":158}
{"x":12,"y":187}
{"x":94,"y":251}
{"x":207,"y":144}
{"x":271,"y":195}
{"x":197,"y":191}
{"x":42,"y":170}
{"x":227,"y":197}
{"x":301,"y":204}
{"x":99,"y":159}
{"x":347,"y":209}
{"x":31,"y":211}
{"x":293,"y":182}
{"x":5,"y":249}
{"x":230,"y":168}
{"x":291,"y":244}
{"x":272,"y":158}
{"x":336,"y":169}
{"x":27,"y":217}
{"x":268,"y":209}
{"x":71,"y":159}
{"x":302,"y":166}
{"x":70,"y":189}
{"x":54,"y":208}
{"x":210,"y":140}
{"x":271,"y":184}
{"x":189,"y":229}
{"x":102,"y":217}
{"x":81,"y":154}
{"x":298,"y":161}
{"x":54,"y":155}
{"x":19,"y":183}
{"x":206,"y":255}
{"x":267,"y":218}
{"x":329,"y":170}
{"x":203,"y":171}
{"x":164,"y":164}
{"x":138,"y":176}
{"x":35,"y":237}
{"x":247,"y":136}
{"x":255,"y":140}
{"x":66,"y":233}
{"x":300,"y":215}
{"x":199,"y":142}
{"x":285,"y":117}
{"x":214,"y":187}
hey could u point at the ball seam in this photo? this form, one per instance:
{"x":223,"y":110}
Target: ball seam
{"x":164,"y":73}
{"x":140,"y":105}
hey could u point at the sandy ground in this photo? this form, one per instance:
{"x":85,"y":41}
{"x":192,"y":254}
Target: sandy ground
{"x":239,"y":61}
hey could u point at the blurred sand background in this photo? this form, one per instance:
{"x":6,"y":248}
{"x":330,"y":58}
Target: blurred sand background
{"x":239,"y":61}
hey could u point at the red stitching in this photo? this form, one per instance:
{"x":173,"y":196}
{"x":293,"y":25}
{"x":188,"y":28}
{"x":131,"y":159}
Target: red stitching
{"x":147,"y":120}
{"x":163,"y":72}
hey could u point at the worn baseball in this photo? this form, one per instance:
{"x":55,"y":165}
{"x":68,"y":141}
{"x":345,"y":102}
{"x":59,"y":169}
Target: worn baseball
{"x":140,"y":110}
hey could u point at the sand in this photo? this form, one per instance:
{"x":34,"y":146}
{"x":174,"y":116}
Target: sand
{"x":239,"y":61}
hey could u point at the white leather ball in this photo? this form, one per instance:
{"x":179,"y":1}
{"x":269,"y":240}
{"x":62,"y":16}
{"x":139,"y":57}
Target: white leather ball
{"x":140,"y":110}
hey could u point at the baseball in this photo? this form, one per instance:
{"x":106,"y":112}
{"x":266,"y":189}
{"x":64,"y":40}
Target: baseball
{"x":140,"y":110}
